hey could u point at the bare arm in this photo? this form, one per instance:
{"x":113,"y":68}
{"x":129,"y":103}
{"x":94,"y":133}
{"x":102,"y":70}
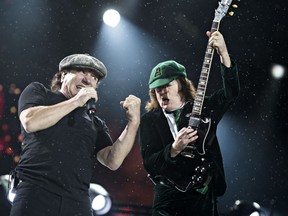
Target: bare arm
{"x":41,"y":117}
{"x":113,"y":156}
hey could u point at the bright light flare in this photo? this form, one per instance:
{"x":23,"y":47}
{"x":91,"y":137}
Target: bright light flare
{"x":255,"y":214}
{"x":98,"y":202}
{"x":11,"y":195}
{"x":277,"y":71}
{"x":111,"y":17}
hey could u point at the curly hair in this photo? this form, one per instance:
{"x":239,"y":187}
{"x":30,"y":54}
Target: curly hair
{"x":187,"y":93}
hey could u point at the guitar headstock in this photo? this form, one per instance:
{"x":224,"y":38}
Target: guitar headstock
{"x":223,"y":8}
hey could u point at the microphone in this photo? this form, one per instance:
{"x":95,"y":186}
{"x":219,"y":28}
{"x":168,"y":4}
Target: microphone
{"x":91,"y":106}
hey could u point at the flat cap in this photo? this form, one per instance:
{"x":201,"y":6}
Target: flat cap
{"x":84,"y":61}
{"x":165,"y":72}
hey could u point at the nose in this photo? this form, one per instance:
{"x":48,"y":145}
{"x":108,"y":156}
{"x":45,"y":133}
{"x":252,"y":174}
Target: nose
{"x":87,"y":78}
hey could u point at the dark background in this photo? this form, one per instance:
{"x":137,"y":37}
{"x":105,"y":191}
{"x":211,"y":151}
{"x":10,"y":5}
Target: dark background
{"x":36,"y":34}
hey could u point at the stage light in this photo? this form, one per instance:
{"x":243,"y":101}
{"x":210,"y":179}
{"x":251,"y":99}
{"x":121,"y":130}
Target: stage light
{"x":11,"y":195}
{"x":277,"y":71}
{"x":111,"y":17}
{"x":100,"y":199}
{"x":5,"y":181}
{"x":245,"y":208}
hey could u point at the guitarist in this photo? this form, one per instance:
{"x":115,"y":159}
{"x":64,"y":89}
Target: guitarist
{"x":162,"y":141}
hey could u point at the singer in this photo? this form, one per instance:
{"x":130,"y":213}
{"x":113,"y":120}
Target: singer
{"x":61,"y":139}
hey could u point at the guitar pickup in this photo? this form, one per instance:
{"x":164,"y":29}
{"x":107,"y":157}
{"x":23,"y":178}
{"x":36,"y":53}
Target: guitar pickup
{"x":194,"y":122}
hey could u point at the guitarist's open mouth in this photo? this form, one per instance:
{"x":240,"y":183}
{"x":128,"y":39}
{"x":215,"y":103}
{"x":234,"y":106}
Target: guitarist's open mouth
{"x":165,"y":101}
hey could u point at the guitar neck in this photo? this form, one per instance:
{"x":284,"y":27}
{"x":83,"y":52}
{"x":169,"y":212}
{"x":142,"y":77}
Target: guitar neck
{"x":204,"y":75}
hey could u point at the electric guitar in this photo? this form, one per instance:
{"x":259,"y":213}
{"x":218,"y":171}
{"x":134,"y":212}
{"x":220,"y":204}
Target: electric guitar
{"x":201,"y":174}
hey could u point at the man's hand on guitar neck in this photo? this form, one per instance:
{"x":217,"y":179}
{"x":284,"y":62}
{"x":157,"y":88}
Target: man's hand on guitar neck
{"x":216,"y":40}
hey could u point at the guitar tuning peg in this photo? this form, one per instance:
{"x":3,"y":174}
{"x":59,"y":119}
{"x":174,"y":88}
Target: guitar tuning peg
{"x":231,"y":13}
{"x":235,"y":6}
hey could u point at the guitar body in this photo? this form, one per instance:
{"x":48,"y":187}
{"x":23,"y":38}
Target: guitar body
{"x":203,"y":130}
{"x":202,"y":125}
{"x":200,"y":177}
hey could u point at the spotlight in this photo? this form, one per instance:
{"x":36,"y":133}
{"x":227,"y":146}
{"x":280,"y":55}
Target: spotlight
{"x":5,"y":181}
{"x":278,"y":71}
{"x":111,"y":17}
{"x":100,"y":199}
{"x":5,"y":205}
{"x":244,"y":208}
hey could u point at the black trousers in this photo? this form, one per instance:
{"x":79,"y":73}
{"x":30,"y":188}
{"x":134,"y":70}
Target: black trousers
{"x":32,"y":200}
{"x":170,"y":202}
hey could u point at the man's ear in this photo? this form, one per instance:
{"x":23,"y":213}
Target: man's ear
{"x":63,"y":75}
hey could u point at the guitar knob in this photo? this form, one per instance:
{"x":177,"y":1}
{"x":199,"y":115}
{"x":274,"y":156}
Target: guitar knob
{"x":199,"y":179}
{"x":194,"y":179}
{"x":203,"y":170}
{"x":200,"y":170}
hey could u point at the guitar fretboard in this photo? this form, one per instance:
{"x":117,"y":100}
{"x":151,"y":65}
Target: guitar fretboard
{"x":204,"y":75}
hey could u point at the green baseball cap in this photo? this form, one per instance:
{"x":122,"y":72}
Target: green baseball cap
{"x":165,"y":72}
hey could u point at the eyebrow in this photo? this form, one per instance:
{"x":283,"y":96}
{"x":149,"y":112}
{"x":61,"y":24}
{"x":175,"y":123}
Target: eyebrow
{"x":163,"y":86}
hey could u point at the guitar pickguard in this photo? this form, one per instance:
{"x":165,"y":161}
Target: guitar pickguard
{"x":202,"y":125}
{"x":203,"y":130}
